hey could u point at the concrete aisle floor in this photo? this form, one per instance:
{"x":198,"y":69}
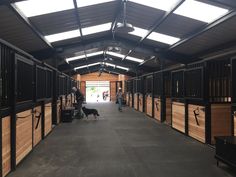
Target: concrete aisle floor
{"x":126,"y":144}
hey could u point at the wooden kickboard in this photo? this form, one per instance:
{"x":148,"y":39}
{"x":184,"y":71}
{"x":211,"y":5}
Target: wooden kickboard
{"x":6,"y":145}
{"x":157,"y":109}
{"x":37,"y":125}
{"x":48,"y":119}
{"x":130,"y":99}
{"x":196,"y":122}
{"x":136,"y":101}
{"x":168,"y":111}
{"x":178,"y":116}
{"x":140,"y":102}
{"x":235,"y":124}
{"x":149,"y":105}
{"x":220,"y":120}
{"x":127,"y":99}
{"x":58,"y":112}
{"x":23,"y":134}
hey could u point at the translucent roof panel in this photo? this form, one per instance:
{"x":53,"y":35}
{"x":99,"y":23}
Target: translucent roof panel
{"x":96,"y":29}
{"x":123,"y":56}
{"x":200,"y":11}
{"x":84,"y":3}
{"x":63,"y":36}
{"x":32,"y":8}
{"x":163,"y":38}
{"x":165,"y":5}
{"x":85,"y":66}
{"x":83,"y":56}
{"x":139,"y":32}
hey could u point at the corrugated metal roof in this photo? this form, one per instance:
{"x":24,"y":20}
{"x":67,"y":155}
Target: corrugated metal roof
{"x":221,"y":34}
{"x":97,"y":14}
{"x":56,"y":22}
{"x":179,"y":26}
{"x":16,"y":32}
{"x":138,"y":16}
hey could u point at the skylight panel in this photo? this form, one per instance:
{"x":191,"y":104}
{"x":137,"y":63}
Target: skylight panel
{"x":163,"y":38}
{"x":109,"y":64}
{"x":84,"y":3}
{"x":63,"y":36}
{"x":96,"y":29}
{"x":200,"y":11}
{"x":123,"y":56}
{"x":134,"y":59}
{"x":83,"y":56}
{"x":115,"y":54}
{"x":139,"y":32}
{"x":85,"y":66}
{"x":165,"y":5}
{"x":121,"y":67}
{"x":32,"y":8}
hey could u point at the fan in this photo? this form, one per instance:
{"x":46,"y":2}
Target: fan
{"x":124,"y":27}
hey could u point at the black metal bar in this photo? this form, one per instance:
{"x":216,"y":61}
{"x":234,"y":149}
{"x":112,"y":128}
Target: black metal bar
{"x":117,"y":14}
{"x":208,"y":27}
{"x":43,"y":120}
{"x":29,"y":24}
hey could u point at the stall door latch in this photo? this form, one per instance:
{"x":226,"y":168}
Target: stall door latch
{"x":196,"y":114}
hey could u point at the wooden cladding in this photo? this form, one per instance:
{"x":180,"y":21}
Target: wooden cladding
{"x":69,"y":101}
{"x":113,"y":91}
{"x":127,"y":99}
{"x":149,"y":105}
{"x":23,"y":134}
{"x":63,"y":102}
{"x":58,"y":112}
{"x":48,"y":119}
{"x":220,"y":120}
{"x":196,"y":122}
{"x":136,"y":101}
{"x":157,"y":109}
{"x":168,"y":111}
{"x":130,"y":100}
{"x":6,"y":145}
{"x":140,"y":102}
{"x":234,"y":123}
{"x":178,"y":116}
{"x":37,"y":115}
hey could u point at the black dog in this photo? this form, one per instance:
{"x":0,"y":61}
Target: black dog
{"x":90,"y":111}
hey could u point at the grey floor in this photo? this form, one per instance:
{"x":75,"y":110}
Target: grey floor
{"x":119,"y":144}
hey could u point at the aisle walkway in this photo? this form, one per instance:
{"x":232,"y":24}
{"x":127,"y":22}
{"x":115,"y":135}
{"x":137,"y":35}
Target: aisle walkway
{"x":126,"y":144}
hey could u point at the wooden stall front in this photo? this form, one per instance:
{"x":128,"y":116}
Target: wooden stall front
{"x":178,"y":116}
{"x":157,"y":109}
{"x":47,"y":118}
{"x":127,"y":99}
{"x":58,"y":112}
{"x":140,"y":102}
{"x":197,"y":122}
{"x":168,"y":111}
{"x":136,"y":104}
{"x":221,"y":122}
{"x":23,"y":134}
{"x":130,"y":100}
{"x":6,"y":145}
{"x":37,"y":125}
{"x":149,"y":105}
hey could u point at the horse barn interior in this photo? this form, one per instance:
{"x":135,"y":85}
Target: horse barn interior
{"x":174,"y":60}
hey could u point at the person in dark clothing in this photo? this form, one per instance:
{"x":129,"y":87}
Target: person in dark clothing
{"x":79,"y":99}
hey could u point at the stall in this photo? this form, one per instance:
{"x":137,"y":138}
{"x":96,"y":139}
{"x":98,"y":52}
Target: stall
{"x":149,"y":95}
{"x":178,"y":105}
{"x":135,"y":93}
{"x":140,"y":88}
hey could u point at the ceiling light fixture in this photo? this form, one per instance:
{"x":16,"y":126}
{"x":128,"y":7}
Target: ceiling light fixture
{"x":124,"y":27}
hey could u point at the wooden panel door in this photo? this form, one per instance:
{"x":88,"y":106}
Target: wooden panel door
{"x":113,"y":91}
